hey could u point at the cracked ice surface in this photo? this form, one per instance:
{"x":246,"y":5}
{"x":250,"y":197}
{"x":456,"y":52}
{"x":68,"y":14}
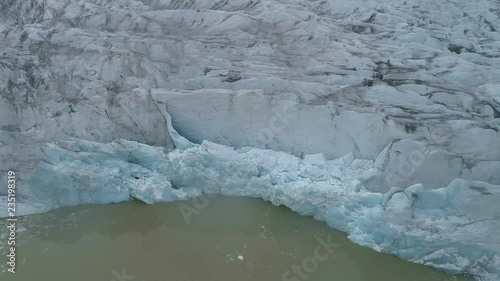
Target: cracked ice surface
{"x":365,"y":73}
{"x":401,"y":97}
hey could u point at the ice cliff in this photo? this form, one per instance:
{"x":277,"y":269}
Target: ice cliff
{"x":380,"y":118}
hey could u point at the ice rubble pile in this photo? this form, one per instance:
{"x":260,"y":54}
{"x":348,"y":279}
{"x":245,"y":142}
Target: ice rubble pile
{"x":454,"y":228}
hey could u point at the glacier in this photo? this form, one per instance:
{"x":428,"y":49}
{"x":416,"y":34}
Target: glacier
{"x":380,"y":118}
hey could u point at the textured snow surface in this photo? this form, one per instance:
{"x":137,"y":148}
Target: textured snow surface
{"x":380,"y":118}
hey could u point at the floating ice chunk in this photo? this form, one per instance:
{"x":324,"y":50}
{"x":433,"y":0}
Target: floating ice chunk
{"x":21,"y":229}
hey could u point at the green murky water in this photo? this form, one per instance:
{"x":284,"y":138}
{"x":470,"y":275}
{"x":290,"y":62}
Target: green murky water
{"x":228,"y":239}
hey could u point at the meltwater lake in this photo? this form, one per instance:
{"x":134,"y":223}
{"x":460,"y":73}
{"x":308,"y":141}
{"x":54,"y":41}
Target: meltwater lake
{"x":220,"y":239}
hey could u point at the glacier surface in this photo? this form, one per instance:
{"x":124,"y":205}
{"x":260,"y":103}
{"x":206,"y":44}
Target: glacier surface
{"x":381,"y":118}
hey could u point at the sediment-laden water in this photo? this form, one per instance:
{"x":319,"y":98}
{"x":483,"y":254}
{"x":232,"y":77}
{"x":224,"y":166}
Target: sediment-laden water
{"x":222,"y":238}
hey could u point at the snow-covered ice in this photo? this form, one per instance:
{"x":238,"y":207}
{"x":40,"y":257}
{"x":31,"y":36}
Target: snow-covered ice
{"x":381,"y":118}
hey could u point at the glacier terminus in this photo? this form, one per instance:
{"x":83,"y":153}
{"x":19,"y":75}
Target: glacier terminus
{"x":379,"y":118}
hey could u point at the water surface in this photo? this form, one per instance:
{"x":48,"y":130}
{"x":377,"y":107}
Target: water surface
{"x":226,"y":239}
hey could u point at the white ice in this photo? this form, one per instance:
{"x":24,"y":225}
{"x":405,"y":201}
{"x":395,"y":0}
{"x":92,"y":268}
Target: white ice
{"x":381,"y":118}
